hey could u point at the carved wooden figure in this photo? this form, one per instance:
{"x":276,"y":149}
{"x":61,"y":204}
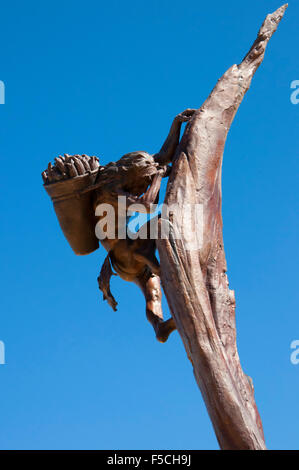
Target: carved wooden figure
{"x":194,"y":281}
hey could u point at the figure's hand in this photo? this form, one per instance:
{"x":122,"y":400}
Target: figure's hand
{"x":185,"y":115}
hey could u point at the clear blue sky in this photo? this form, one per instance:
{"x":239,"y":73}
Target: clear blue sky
{"x":106,"y":78}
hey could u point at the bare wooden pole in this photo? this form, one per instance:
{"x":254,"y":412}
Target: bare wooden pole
{"x":195,"y":281}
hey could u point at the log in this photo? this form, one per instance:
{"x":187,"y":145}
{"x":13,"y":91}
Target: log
{"x":194,"y":279}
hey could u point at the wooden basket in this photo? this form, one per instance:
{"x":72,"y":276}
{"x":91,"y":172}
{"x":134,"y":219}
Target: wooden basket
{"x":75,"y":211}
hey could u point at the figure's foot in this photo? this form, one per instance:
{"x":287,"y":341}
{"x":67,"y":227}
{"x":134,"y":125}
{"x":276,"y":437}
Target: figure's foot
{"x":164,"y":329}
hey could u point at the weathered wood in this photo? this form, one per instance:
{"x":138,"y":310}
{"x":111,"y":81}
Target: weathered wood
{"x":195,"y":281}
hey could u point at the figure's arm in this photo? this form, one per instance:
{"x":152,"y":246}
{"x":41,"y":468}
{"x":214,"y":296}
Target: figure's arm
{"x":150,"y":197}
{"x":169,"y":147}
{"x":144,"y":203}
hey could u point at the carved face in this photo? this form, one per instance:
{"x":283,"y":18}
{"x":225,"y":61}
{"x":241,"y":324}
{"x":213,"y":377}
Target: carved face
{"x":132,"y":173}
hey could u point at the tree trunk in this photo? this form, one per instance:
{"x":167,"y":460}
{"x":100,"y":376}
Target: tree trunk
{"x":195,"y":280}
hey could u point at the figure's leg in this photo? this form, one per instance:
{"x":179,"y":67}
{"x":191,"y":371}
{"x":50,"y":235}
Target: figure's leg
{"x":150,"y":286}
{"x":149,"y":259}
{"x":104,"y":282}
{"x":144,"y":247}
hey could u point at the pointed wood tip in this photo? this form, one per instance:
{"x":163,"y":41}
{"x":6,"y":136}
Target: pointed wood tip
{"x":271,"y":23}
{"x":278,"y":14}
{"x":282,"y":9}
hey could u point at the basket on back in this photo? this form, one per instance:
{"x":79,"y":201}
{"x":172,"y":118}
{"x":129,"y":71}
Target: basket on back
{"x":64,"y":182}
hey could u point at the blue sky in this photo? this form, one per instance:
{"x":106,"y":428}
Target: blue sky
{"x":106,"y":78}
